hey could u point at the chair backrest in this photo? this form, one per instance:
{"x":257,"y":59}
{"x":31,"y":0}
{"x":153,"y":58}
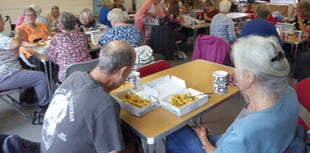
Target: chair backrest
{"x":302,"y":89}
{"x":81,"y":66}
{"x":153,"y":68}
{"x":210,"y":48}
{"x":25,"y":60}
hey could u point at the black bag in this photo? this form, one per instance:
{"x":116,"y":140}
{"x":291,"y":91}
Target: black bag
{"x":28,"y":96}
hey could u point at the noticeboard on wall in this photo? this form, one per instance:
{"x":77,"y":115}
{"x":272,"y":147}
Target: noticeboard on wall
{"x":98,"y":4}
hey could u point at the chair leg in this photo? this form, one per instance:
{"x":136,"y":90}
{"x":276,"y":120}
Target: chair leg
{"x":15,"y":105}
{"x":180,"y":54}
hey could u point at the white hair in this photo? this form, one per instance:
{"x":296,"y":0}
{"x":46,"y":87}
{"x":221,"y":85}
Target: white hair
{"x":86,"y":14}
{"x":116,"y":15}
{"x":36,"y":8}
{"x":257,"y":54}
{"x":225,"y":6}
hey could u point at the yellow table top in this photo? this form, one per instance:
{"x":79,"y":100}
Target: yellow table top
{"x":159,"y":122}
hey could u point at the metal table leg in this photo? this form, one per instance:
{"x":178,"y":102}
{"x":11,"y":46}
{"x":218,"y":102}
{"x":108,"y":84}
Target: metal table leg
{"x":47,"y":79}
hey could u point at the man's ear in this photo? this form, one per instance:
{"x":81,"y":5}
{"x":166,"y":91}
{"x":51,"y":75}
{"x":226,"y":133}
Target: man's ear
{"x":122,"y":71}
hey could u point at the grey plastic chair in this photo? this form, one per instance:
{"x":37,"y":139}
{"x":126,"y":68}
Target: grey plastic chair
{"x":81,"y":66}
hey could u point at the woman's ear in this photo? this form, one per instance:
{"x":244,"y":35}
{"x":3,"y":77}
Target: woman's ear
{"x":249,"y":77}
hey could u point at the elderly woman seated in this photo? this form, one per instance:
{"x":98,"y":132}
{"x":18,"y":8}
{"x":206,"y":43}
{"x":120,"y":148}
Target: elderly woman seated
{"x":67,"y":47}
{"x":86,"y":21}
{"x":53,"y":19}
{"x":223,"y":26}
{"x":269,"y":119}
{"x":11,"y":73}
{"x":35,"y":32}
{"x":120,"y":30}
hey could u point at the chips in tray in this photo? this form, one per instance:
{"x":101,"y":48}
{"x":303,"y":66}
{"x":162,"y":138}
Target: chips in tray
{"x":180,"y":100}
{"x":134,"y":99}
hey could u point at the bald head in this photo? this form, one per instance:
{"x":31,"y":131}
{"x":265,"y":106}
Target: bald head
{"x":115,"y":55}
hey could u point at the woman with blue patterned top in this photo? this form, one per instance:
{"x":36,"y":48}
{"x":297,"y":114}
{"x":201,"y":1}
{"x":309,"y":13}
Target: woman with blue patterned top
{"x":120,"y":30}
{"x":221,"y":25}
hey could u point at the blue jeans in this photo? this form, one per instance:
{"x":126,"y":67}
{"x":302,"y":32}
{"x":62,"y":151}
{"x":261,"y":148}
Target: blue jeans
{"x":185,"y":140}
{"x":27,"y":78}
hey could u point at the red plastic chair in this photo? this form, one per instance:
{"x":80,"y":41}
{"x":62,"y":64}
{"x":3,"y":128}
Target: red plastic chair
{"x":153,"y":68}
{"x":302,"y":90}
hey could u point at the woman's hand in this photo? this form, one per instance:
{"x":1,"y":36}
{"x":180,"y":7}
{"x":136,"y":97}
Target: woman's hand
{"x":202,"y":133}
{"x":231,"y":79}
{"x":21,"y":34}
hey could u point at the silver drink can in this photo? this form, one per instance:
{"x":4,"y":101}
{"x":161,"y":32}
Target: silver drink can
{"x":134,"y":79}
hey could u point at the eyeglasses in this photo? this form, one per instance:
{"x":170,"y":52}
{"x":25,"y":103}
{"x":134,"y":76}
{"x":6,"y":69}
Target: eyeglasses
{"x":30,"y":15}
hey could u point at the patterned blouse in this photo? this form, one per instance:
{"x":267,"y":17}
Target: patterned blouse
{"x":296,"y":24}
{"x":8,"y":58}
{"x":223,"y":27}
{"x":67,"y":48}
{"x":128,"y":33}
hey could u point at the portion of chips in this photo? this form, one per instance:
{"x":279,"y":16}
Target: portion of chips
{"x":134,"y":99}
{"x":182,"y":99}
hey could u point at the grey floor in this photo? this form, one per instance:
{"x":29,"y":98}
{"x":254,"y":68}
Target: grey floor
{"x":217,"y":120}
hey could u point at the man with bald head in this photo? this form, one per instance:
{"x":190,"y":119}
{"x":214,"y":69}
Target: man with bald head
{"x":83,"y":117}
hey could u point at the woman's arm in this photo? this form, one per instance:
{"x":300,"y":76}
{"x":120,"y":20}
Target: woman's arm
{"x":201,"y":133}
{"x":17,"y":40}
{"x":231,"y":32}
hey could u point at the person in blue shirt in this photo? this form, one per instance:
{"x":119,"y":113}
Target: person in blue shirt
{"x":260,"y":25}
{"x":268,"y":121}
{"x":103,"y":16}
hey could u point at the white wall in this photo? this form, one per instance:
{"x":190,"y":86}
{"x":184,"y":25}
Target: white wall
{"x":13,"y":8}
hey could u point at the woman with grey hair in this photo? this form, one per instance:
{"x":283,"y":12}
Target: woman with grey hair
{"x":86,"y":21}
{"x":261,"y":74}
{"x":223,"y":26}
{"x":120,"y":30}
{"x":260,"y":25}
{"x":67,"y":47}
